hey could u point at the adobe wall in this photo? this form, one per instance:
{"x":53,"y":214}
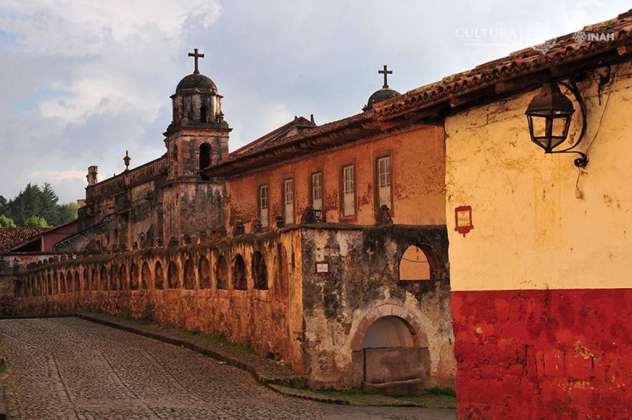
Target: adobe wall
{"x":541,"y":290}
{"x":362,"y":286}
{"x":418,"y":168}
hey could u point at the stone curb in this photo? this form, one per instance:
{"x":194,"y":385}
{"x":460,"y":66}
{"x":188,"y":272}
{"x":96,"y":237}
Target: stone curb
{"x":36,"y":316}
{"x":259,"y":377}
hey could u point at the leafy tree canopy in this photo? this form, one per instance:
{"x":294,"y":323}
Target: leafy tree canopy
{"x":38,"y":205}
{"x":6,"y":222}
{"x":36,"y":221}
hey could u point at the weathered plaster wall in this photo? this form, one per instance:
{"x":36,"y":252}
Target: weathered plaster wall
{"x":417,"y":157}
{"x":542,"y":228}
{"x":268,"y":320}
{"x":362,"y":286}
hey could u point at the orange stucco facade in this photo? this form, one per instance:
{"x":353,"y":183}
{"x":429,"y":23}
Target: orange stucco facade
{"x":418,"y":168}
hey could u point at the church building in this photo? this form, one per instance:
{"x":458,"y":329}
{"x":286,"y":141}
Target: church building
{"x":322,"y":246}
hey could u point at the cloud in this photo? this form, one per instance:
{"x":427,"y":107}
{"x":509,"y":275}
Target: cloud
{"x":83,"y":81}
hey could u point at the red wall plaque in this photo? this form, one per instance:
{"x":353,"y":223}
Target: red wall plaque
{"x":463,"y":219}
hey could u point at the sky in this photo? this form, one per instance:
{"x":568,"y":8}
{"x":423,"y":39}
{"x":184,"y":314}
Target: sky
{"x":83,"y":81}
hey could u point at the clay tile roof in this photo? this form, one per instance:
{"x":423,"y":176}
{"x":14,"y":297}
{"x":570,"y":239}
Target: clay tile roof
{"x":12,"y":237}
{"x":296,"y":126}
{"x":557,"y":52}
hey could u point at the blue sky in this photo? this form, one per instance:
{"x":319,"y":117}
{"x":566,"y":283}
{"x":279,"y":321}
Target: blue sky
{"x":83,"y":81}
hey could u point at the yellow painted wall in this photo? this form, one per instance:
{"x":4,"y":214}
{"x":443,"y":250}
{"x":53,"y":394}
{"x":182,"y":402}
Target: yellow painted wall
{"x":540,"y":222}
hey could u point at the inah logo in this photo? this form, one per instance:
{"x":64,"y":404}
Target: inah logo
{"x":581,"y":37}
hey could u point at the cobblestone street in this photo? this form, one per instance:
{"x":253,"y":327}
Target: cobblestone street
{"x":69,"y":368}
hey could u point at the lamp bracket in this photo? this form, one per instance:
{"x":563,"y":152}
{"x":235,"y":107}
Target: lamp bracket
{"x":582,"y":160}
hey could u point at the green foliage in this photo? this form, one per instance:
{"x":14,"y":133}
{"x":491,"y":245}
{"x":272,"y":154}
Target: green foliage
{"x":4,"y":368}
{"x":6,"y":222}
{"x":35,"y":221}
{"x":41,"y":202}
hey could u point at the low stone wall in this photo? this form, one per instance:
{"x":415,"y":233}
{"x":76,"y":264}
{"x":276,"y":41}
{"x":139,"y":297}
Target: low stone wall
{"x":193,"y":287}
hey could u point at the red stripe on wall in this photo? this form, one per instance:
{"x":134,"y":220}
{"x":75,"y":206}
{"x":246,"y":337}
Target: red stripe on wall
{"x":544,"y":354}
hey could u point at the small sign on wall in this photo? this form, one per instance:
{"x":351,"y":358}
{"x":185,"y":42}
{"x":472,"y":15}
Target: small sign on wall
{"x":322,"y":267}
{"x":463,"y":219}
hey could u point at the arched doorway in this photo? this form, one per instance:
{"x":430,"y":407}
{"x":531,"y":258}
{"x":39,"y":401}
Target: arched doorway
{"x":391,"y":359}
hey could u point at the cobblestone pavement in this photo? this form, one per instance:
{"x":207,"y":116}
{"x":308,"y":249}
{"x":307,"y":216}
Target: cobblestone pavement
{"x":67,"y":368}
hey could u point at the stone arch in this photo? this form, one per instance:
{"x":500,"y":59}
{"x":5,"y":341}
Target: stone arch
{"x":189,"y":275}
{"x":159,"y":280}
{"x":49,"y":283}
{"x":240,"y":281}
{"x":173,"y":275}
{"x":62,"y":282}
{"x":133,"y":277}
{"x":145,"y":276}
{"x":86,"y":279}
{"x":122,"y":277}
{"x":259,"y":271}
{"x":69,"y":282}
{"x":114,"y":281}
{"x":77,"y":282}
{"x":103,"y":277}
{"x":221,"y":273}
{"x":390,"y":332}
{"x":55,"y":282}
{"x":204,"y":273}
{"x":94,"y":279}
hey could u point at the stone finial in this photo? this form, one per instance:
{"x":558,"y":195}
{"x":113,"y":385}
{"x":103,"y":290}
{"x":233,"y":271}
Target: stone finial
{"x":257,"y":227}
{"x":309,"y":216}
{"x":173,"y":242}
{"x":239,"y":228}
{"x":126,"y":160}
{"x":280,"y":222}
{"x":384,"y":216}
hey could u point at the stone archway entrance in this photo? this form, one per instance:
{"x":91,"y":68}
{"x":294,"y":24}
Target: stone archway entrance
{"x":391,"y":358}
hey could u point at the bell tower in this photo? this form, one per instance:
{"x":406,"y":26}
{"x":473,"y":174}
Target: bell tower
{"x":198,"y":134}
{"x":197,"y":137}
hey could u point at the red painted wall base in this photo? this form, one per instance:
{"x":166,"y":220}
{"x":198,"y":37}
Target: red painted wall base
{"x":544,"y":354}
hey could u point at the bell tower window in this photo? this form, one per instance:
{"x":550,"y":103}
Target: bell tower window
{"x":205,"y":158}
{"x":203,"y":113}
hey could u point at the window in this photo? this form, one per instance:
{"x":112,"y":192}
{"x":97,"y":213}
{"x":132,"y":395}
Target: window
{"x":288,"y":200}
{"x":414,"y":265}
{"x":259,"y":271}
{"x":384,"y":182}
{"x":205,"y":158}
{"x":317,"y":192}
{"x":263,"y":205}
{"x":239,"y":274}
{"x":348,"y":190}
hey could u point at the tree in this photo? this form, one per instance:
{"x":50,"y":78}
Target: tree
{"x":6,"y":222}
{"x":35,"y":221}
{"x":41,"y":202}
{"x":67,"y":213}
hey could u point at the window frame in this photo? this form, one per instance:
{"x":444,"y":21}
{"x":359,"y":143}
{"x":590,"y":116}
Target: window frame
{"x":284,"y":199}
{"x":265,"y":223}
{"x":322,"y":190}
{"x":376,"y":180}
{"x":343,"y":216}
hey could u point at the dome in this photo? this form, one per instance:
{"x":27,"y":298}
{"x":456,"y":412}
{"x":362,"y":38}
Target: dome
{"x":381,"y":95}
{"x":196,"y":81}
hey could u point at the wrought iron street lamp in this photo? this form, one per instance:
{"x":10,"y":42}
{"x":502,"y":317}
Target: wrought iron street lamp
{"x":550,"y":114}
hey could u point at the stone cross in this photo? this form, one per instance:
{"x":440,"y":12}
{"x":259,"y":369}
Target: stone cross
{"x":385,"y":72}
{"x":196,"y":56}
